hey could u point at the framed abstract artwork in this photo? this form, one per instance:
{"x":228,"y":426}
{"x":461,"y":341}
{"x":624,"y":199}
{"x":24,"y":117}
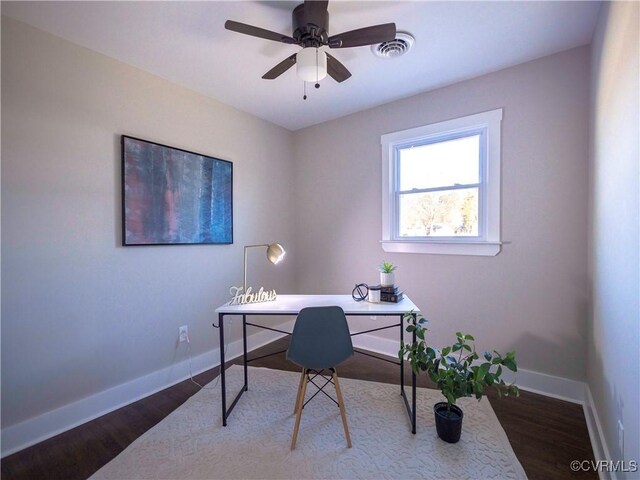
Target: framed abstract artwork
{"x":174,"y":197}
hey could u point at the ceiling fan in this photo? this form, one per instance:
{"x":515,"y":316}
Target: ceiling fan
{"x":310,"y":31}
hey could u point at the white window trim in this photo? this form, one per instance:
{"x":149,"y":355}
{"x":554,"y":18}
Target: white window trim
{"x":490,"y":245}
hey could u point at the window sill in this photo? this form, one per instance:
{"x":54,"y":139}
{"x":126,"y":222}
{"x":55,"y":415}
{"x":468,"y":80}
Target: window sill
{"x":487,"y":249}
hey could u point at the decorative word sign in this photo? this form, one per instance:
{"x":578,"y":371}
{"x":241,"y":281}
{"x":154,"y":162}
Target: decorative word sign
{"x":261,"y":295}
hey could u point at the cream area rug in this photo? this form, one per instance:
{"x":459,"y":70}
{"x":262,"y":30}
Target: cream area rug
{"x":191,"y":442}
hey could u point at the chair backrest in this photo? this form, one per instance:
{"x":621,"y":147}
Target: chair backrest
{"x":320,"y":338}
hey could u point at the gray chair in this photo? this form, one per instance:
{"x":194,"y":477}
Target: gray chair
{"x":320,"y":341}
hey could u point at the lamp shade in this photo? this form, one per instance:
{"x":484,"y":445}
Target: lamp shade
{"x":275,"y":252}
{"x":311,"y":64}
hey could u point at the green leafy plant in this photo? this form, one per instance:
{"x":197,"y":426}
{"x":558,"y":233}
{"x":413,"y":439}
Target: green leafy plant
{"x":386,"y":267}
{"x":455,"y":369}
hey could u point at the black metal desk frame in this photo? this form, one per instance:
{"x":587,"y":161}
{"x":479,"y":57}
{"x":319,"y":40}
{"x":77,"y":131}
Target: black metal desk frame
{"x":411,"y":409}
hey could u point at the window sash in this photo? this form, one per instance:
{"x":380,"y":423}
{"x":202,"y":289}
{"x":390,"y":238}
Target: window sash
{"x":457,"y":186}
{"x":440,"y":238}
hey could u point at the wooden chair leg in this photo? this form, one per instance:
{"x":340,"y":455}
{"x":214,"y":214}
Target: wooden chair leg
{"x":302,"y":379}
{"x":342,"y":410}
{"x":299,"y":412}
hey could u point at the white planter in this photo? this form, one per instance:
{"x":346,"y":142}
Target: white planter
{"x":387,"y":279}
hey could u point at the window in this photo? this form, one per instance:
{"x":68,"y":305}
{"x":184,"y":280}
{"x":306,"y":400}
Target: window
{"x":441,"y":187}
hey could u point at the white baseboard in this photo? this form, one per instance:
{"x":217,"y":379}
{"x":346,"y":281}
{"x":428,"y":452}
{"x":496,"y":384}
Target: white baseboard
{"x":54,"y":422}
{"x":535,"y":382}
{"x":37,"y":429}
{"x":598,"y":442}
{"x":548,"y":385}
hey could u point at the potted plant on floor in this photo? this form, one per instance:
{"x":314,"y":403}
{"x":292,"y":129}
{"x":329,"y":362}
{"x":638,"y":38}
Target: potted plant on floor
{"x":457,"y":373}
{"x":387,"y":277}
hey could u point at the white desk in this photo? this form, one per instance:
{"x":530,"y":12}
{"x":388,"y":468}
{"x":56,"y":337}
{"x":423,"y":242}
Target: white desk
{"x":291,"y":305}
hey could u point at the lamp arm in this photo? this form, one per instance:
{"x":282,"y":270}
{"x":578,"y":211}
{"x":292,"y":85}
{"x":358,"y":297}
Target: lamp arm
{"x":244,"y":284}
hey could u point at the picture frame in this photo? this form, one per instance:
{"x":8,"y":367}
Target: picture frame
{"x":172,"y":196}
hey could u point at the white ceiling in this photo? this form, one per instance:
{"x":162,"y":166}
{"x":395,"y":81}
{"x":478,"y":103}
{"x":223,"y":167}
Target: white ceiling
{"x":186,"y":43}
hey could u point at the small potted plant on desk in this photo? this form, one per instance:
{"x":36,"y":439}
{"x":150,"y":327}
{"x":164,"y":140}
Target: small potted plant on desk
{"x":457,"y":374}
{"x":387,"y":277}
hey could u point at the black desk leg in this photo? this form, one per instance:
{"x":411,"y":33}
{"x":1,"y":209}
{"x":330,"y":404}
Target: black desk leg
{"x":223,"y":383}
{"x":413,"y":394}
{"x":244,"y":356}
{"x":401,"y":360}
{"x":222,"y":379}
{"x":411,"y":409}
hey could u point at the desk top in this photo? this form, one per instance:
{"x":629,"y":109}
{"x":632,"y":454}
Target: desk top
{"x":292,"y":304}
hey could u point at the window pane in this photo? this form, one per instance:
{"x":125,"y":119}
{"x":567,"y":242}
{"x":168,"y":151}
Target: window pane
{"x":441,"y":164}
{"x":447,"y":213}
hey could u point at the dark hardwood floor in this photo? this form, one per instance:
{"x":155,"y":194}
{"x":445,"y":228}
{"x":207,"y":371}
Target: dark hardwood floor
{"x":546,"y":434}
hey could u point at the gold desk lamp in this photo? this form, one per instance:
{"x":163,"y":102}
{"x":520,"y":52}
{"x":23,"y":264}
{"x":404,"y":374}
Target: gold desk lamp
{"x":275,"y":253}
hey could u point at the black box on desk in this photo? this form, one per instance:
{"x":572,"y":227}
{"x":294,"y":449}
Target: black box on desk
{"x":393,"y":289}
{"x":391,"y":297}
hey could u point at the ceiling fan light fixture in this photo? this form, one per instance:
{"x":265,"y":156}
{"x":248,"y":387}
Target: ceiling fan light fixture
{"x":311,"y":64}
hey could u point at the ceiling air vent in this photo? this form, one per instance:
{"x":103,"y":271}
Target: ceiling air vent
{"x":394,"y":48}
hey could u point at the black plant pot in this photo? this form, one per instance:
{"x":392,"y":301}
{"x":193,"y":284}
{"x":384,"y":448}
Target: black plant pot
{"x":448,"y":424}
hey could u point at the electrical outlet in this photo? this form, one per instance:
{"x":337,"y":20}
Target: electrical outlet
{"x":373,"y":317}
{"x":183,"y":332}
{"x":621,"y":438}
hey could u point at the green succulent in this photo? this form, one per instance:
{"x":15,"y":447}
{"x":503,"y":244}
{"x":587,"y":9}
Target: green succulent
{"x":386,"y":267}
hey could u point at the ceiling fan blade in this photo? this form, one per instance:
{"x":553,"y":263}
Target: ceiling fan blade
{"x":315,"y":12}
{"x":280,"y":68}
{"x":257,"y":32}
{"x":364,"y":36}
{"x":337,"y":70}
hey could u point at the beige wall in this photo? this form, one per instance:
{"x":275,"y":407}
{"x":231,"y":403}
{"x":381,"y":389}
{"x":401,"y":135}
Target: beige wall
{"x":532,"y":297}
{"x":80,"y":313}
{"x":614,"y":330}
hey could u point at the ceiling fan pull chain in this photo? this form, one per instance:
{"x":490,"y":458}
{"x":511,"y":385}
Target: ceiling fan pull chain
{"x":317,"y":68}
{"x":304,"y":90}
